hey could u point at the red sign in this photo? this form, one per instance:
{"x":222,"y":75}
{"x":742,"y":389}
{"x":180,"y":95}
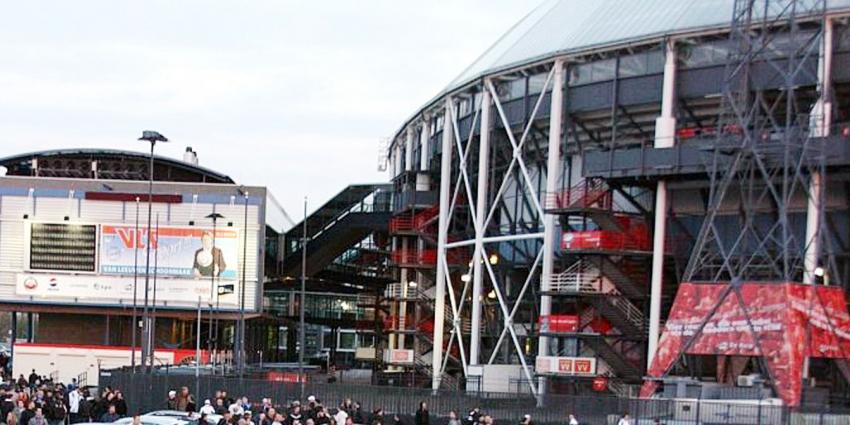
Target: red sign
{"x":558,"y":323}
{"x":289,"y":377}
{"x":772,"y":321}
{"x":600,"y":383}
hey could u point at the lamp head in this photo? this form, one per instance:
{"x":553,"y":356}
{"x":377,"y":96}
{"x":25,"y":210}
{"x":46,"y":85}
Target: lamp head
{"x":152,"y":136}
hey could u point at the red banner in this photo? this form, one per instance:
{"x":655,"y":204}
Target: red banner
{"x":767,"y":320}
{"x":559,"y":323}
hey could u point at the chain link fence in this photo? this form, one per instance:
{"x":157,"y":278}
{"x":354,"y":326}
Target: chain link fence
{"x":148,"y":392}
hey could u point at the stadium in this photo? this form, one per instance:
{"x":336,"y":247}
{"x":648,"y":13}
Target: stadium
{"x":601,"y":158}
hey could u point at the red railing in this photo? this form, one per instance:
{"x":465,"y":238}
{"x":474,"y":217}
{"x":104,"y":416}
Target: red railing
{"x":586,"y":194}
{"x":402,"y":223}
{"x":606,"y":240}
{"x":427,"y":257}
{"x":414,"y":222}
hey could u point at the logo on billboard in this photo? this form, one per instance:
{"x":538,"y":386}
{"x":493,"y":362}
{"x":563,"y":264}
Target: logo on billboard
{"x":30,"y":283}
{"x":52,"y":282}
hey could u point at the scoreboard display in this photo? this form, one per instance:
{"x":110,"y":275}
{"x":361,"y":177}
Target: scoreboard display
{"x":63,"y":247}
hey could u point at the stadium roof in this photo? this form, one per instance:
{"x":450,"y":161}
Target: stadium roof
{"x":563,"y":27}
{"x":558,"y":27}
{"x":17,"y":164}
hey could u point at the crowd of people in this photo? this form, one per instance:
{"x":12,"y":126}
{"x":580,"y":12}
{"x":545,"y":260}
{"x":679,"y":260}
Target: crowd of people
{"x":225,"y":410}
{"x":37,"y":400}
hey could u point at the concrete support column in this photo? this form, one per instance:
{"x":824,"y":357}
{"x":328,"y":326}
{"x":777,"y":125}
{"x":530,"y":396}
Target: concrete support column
{"x":550,"y":230}
{"x":442,"y":236}
{"x":665,"y":132}
{"x":480,"y":231}
{"x":822,"y":117}
{"x":408,"y":150}
{"x":423,"y":179}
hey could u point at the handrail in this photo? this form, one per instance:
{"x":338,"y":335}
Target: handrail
{"x":584,"y":194}
{"x":583,"y":278}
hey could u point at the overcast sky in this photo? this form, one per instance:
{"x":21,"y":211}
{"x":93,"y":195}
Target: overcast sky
{"x":293,"y":95}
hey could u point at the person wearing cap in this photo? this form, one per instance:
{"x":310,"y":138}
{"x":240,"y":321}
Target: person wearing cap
{"x":295,"y":414}
{"x":207,"y":408}
{"x":526,"y":420}
{"x":171,"y":403}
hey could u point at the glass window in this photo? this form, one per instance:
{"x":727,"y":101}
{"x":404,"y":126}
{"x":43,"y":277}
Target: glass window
{"x":580,"y":74}
{"x":603,"y":70}
{"x":633,"y":65}
{"x":655,"y":61}
{"x":347,"y":341}
{"x":704,"y":54}
{"x":536,"y":82}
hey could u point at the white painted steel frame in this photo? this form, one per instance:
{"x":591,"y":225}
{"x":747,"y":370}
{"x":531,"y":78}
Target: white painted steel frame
{"x":482,"y":212}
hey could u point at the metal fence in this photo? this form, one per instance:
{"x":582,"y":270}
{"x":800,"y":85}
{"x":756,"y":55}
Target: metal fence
{"x":148,"y":392}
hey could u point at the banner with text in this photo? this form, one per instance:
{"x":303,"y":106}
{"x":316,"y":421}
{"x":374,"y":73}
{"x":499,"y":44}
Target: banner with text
{"x":178,"y":252}
{"x":118,"y":289}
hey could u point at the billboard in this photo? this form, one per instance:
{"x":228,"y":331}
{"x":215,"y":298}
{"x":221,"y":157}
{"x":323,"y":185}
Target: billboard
{"x":184,"y":261}
{"x":181,"y":252}
{"x":781,"y":322}
{"x":585,"y":366}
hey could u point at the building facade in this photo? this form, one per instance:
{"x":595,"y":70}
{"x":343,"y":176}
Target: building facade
{"x":567,"y":174}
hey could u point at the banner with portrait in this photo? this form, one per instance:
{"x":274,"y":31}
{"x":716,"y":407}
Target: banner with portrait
{"x":176,"y":252}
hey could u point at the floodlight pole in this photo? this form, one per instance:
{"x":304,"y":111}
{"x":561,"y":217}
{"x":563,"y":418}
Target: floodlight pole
{"x":153,"y":304}
{"x":212,"y":344}
{"x":152,"y":137}
{"x":240,"y":339}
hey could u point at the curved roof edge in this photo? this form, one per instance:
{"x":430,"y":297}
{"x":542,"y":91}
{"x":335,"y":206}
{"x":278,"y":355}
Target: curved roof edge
{"x":587,"y":26}
{"x":116,"y":153}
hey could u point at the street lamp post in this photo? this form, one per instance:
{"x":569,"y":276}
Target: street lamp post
{"x":212,"y":343}
{"x":135,"y":323}
{"x":153,"y":304}
{"x":301,"y":335}
{"x":240,"y":338}
{"x":152,"y":137}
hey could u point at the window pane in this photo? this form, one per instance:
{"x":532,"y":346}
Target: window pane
{"x":347,"y":341}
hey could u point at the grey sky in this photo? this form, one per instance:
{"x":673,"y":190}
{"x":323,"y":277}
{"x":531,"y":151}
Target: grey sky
{"x":294,"y":95}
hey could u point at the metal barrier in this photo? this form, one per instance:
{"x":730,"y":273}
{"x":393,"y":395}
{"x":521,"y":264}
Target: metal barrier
{"x":149,"y":392}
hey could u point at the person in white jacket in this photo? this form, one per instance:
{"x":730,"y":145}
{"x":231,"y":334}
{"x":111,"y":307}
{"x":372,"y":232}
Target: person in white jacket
{"x":74,"y":398}
{"x":207,"y":408}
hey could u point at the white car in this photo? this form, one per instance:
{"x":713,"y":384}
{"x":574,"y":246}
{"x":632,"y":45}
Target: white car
{"x":154,"y":420}
{"x":189,"y":418}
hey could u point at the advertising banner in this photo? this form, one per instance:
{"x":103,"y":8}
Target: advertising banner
{"x":566,"y":365}
{"x":773,"y":321}
{"x":559,"y":323}
{"x":181,"y":252}
{"x":399,"y":356}
{"x":82,"y":288}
